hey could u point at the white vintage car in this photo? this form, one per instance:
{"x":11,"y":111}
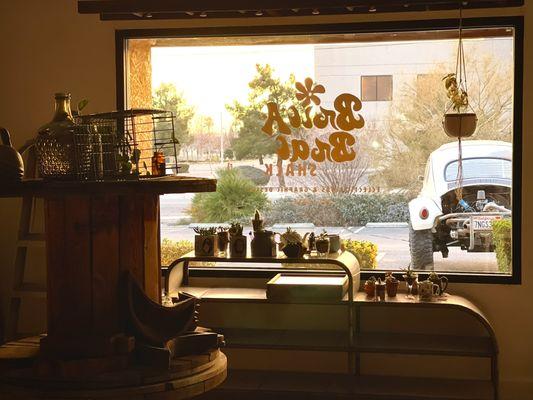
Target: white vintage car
{"x":438,"y":219}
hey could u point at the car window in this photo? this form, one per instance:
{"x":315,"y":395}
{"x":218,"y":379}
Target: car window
{"x":480,"y":168}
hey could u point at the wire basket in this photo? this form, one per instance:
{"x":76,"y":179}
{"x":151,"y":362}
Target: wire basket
{"x":120,"y":145}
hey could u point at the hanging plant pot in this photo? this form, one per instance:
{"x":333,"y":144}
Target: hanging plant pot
{"x":459,"y":125}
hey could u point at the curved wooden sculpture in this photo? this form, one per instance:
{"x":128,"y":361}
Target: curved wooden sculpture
{"x":154,"y":323}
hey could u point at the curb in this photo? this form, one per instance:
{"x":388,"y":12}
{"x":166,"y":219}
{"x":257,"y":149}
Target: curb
{"x":387,"y":225}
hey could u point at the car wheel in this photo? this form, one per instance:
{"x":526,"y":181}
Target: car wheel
{"x":421,"y":247}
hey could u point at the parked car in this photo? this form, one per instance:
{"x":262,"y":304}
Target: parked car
{"x":439,"y":219}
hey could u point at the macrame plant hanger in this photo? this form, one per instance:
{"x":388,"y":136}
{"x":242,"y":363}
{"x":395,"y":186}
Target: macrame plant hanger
{"x":460,"y":74}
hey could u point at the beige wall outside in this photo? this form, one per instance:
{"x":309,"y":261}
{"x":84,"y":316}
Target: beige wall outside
{"x":46,"y":47}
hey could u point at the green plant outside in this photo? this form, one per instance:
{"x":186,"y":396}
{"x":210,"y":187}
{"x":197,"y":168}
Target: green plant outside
{"x":365,"y":251}
{"x":501,"y":231}
{"x":236,"y":199}
{"x":172,"y":250}
{"x":342,"y":210}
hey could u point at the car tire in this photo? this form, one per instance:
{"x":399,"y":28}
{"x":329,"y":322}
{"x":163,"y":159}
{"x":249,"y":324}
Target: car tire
{"x":421,"y":248}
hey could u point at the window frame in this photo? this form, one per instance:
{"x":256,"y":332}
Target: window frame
{"x":377,"y":99}
{"x":516,"y":22}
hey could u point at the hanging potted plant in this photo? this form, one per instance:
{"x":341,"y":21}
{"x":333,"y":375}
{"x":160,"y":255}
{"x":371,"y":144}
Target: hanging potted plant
{"x":460,"y":120}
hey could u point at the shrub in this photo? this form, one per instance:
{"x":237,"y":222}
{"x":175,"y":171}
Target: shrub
{"x":172,"y":250}
{"x":365,"y":251}
{"x":236,"y":199}
{"x":501,"y":231}
{"x":345,"y":210}
{"x":357,"y":210}
{"x":256,"y":175}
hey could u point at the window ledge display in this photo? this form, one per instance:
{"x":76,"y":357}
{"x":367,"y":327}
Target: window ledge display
{"x":360,"y":338}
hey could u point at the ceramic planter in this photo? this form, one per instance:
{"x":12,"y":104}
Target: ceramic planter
{"x":205,"y":245}
{"x":322,"y":246}
{"x":334,"y":243}
{"x":223,"y":241}
{"x":293,"y":250}
{"x":237,"y":246}
{"x":460,"y":125}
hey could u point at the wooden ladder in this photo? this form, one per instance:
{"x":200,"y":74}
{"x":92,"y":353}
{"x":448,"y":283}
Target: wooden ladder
{"x":26,"y":239}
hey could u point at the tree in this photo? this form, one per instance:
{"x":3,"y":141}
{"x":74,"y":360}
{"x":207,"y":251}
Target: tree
{"x":416,"y":121}
{"x":251,"y":141}
{"x":166,"y":97}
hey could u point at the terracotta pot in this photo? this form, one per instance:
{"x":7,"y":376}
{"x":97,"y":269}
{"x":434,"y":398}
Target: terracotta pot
{"x":461,"y":125}
{"x":392,"y":287}
{"x":370,"y":288}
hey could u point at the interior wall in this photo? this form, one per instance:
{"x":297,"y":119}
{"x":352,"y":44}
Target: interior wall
{"x":46,"y":47}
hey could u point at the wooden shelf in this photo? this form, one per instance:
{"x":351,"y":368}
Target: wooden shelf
{"x":409,"y":343}
{"x":400,"y":343}
{"x":167,"y":184}
{"x":283,"y":385}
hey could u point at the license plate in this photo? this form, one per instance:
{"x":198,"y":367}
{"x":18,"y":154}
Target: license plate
{"x":483,"y":223}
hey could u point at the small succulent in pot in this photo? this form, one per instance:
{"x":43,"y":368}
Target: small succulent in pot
{"x":392,"y":284}
{"x":223,"y":238}
{"x":205,"y":241}
{"x":237,"y":241}
{"x":370,"y":286}
{"x":292,"y":244}
{"x":322,"y":244}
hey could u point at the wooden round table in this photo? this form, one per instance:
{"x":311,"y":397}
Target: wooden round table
{"x":188,"y":377}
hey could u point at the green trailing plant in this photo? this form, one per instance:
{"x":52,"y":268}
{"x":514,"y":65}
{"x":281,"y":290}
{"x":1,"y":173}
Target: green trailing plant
{"x":365,"y":251}
{"x":501,"y":231}
{"x":205,"y":231}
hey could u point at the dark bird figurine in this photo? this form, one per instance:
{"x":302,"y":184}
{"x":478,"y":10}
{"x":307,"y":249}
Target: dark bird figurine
{"x":153,"y":323}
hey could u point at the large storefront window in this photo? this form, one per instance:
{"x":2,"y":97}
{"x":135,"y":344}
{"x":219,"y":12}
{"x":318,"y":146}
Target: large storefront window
{"x":343,"y":133}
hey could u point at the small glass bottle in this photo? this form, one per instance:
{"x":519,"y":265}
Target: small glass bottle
{"x":158,"y":164}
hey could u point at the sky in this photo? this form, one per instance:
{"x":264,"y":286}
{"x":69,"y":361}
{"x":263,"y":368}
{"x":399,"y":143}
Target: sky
{"x":212,"y":76}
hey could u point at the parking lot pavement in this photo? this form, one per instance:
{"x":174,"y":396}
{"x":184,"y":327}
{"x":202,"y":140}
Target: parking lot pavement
{"x":393,"y":248}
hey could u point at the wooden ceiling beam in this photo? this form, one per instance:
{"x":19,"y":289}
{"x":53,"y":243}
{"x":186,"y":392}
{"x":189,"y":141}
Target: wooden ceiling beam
{"x":176,"y":9}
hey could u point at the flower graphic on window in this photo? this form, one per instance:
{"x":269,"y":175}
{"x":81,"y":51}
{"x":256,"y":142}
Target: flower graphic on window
{"x":307,"y":92}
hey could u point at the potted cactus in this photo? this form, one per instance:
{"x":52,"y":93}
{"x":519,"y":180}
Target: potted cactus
{"x":370,"y":287}
{"x":392,"y":284}
{"x":205,"y":241}
{"x":292,"y":244}
{"x":237,"y":241}
{"x":322,"y":243}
